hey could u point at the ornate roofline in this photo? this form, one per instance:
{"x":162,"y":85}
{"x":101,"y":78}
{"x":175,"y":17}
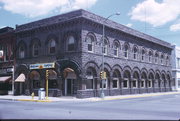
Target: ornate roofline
{"x":94,"y":18}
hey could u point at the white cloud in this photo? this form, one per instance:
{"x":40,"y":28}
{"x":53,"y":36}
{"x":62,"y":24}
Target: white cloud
{"x":34,"y":8}
{"x":175,"y":27}
{"x":129,"y":25}
{"x":156,"y":13}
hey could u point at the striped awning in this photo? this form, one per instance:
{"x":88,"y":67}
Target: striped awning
{"x":5,"y":78}
{"x":21,"y":78}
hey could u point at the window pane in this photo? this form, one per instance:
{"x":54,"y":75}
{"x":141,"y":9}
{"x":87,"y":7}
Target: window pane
{"x":52,"y":83}
{"x":89,"y":84}
{"x":52,"y":50}
{"x":125,"y":83}
{"x":134,"y":83}
{"x":115,"y":83}
{"x":90,"y":47}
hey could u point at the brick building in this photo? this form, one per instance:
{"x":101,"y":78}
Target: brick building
{"x":7,"y":44}
{"x":70,"y":47}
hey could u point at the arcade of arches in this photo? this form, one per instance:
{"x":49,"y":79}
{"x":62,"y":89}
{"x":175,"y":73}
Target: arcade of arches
{"x":70,"y":80}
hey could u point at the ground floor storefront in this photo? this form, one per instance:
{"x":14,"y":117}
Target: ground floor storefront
{"x":67,"y":78}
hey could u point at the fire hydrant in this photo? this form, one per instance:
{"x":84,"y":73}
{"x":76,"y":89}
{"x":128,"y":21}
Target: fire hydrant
{"x":32,"y":95}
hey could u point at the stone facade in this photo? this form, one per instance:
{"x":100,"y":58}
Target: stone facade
{"x":7,"y":48}
{"x":134,"y":62}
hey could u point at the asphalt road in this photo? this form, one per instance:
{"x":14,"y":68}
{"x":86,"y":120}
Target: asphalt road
{"x":165,"y":107}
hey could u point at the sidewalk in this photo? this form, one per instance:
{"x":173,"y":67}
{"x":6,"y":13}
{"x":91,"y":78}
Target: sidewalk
{"x":74,"y":99}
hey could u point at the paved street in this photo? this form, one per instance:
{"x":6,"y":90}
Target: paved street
{"x":166,"y":107}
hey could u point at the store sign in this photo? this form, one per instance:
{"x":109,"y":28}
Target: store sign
{"x":42,"y":65}
{"x":1,"y":53}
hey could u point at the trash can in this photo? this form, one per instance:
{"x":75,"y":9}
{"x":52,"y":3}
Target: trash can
{"x":41,"y":94}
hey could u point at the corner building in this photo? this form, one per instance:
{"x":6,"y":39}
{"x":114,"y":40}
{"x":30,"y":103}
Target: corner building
{"x":70,"y":47}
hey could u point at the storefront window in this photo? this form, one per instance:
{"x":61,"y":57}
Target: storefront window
{"x":115,"y":83}
{"x":52,"y":83}
{"x":125,"y":83}
{"x":134,"y":83}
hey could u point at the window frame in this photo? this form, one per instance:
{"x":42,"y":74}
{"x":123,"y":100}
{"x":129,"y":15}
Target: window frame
{"x":21,"y":52}
{"x":125,"y":80}
{"x":126,"y":52}
{"x":35,"y":49}
{"x":70,"y":44}
{"x":90,"y":43}
{"x":51,"y":47}
{"x":116,"y":49}
{"x":143,"y":55}
{"x":136,"y":82}
{"x":144,"y":85}
{"x":117,"y":81}
{"x":135,"y":53}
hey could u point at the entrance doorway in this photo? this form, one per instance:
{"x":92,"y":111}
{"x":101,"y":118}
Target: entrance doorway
{"x":70,"y":87}
{"x":70,"y":82}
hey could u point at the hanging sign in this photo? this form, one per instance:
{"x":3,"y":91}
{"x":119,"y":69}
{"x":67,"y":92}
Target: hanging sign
{"x":42,"y":65}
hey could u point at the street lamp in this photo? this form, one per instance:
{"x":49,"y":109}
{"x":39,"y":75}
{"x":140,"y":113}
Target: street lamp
{"x":102,"y":92}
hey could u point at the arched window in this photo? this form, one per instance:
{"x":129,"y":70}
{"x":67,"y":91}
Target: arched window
{"x":35,"y":49}
{"x":126,"y":51}
{"x":156,"y":58}
{"x":90,"y":74}
{"x":90,"y":41}
{"x":134,"y":82}
{"x":52,"y":46}
{"x":126,"y":76}
{"x":116,"y":49}
{"x":143,"y":54}
{"x":105,"y":47}
{"x":135,"y":53}
{"x":167,"y":60}
{"x":151,"y":77}
{"x":150,"y":56}
{"x":21,"y":52}
{"x":70,"y":43}
{"x":143,"y":80}
{"x":162,"y":59}
{"x":115,"y":81}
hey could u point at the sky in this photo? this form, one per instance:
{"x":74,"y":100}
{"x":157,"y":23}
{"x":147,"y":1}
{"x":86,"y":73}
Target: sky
{"x":158,"y":18}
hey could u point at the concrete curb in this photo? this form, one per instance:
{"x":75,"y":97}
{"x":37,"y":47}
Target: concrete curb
{"x":95,"y":98}
{"x":138,"y":96}
{"x":34,"y":100}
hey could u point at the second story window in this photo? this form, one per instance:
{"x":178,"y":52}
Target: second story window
{"x":178,"y":62}
{"x":162,"y":59}
{"x":1,"y":53}
{"x":156,"y":58}
{"x":135,"y":53}
{"x":126,"y":51}
{"x":116,"y":49}
{"x":90,"y":42}
{"x":35,"y":50}
{"x":21,"y":52}
{"x":52,"y":46}
{"x":150,"y":56}
{"x":167,"y":61}
{"x":143,"y":55}
{"x":71,"y":43}
{"x":105,"y":47}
